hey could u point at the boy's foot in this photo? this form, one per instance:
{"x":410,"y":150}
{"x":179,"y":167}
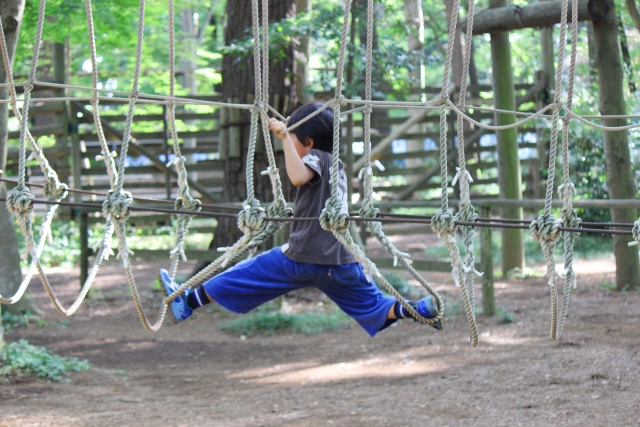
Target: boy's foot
{"x":427,"y":308}
{"x":178,"y":307}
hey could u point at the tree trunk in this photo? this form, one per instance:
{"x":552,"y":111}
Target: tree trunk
{"x":238,"y":86}
{"x":10,"y":275}
{"x":508,"y":162}
{"x":456,"y":59}
{"x":303,"y":53}
{"x":415,"y":40}
{"x":616,"y":144}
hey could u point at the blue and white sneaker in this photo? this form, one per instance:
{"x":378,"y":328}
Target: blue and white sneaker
{"x":178,"y":307}
{"x":428,"y":308}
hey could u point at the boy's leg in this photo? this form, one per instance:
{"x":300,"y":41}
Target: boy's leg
{"x":253,"y":282}
{"x":351,"y":290}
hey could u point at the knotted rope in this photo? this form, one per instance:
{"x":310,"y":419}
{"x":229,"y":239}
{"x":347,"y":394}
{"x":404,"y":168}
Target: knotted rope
{"x":444,"y":221}
{"x":545,"y":229}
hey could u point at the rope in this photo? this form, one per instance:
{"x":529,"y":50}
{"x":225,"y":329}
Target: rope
{"x":369,"y":211}
{"x":444,"y":222}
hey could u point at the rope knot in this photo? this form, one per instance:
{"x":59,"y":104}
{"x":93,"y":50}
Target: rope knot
{"x":444,"y":223}
{"x":635,"y":232}
{"x":20,"y":201}
{"x":467,"y":213}
{"x":444,"y":99}
{"x":570,"y":218}
{"x":251,"y":217}
{"x":134,"y":94}
{"x":257,"y":107}
{"x":116,"y":206}
{"x":29,"y":85}
{"x":53,"y":188}
{"x":545,"y":229}
{"x":333,"y":218}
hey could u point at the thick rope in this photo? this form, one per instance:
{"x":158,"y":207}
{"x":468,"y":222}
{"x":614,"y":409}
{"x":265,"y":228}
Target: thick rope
{"x":368,"y":210}
{"x":545,"y":229}
{"x":184,"y":200}
{"x":569,"y":216}
{"x":466,"y":211}
{"x":444,"y":221}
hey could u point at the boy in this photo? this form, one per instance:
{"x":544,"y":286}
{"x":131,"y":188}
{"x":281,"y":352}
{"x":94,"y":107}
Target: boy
{"x":313,"y":257}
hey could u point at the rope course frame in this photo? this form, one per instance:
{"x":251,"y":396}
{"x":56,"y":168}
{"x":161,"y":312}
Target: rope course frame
{"x":258,"y":223}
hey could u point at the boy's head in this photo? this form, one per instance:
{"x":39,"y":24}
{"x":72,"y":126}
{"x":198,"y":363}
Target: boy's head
{"x":318,"y":130}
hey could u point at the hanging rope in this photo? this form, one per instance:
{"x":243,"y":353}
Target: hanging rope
{"x":368,"y":209}
{"x":444,"y":221}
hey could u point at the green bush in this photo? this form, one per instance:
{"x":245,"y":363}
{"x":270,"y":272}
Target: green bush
{"x":274,"y":322}
{"x":21,"y":358}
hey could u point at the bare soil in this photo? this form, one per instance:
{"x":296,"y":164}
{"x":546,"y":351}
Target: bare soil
{"x":193,"y":374}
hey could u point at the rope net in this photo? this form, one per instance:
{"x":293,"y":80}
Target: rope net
{"x":259,"y":223}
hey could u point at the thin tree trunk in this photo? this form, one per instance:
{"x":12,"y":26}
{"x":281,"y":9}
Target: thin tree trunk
{"x":303,"y":53}
{"x":10,"y":275}
{"x":508,"y":162}
{"x":616,"y":144}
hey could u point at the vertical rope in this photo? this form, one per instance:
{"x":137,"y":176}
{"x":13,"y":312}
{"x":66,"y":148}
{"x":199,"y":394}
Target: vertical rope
{"x":444,"y":221}
{"x":569,"y":215}
{"x":545,"y":229}
{"x":466,"y":210}
{"x":184,"y":200}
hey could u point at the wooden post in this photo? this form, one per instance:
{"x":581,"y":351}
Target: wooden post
{"x":84,"y":246}
{"x":620,"y":178}
{"x":486,"y":260}
{"x":165,"y":147}
{"x":508,"y":160}
{"x":224,"y":134}
{"x":234,"y":142}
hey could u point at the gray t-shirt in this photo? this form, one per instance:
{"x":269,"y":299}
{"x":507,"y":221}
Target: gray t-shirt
{"x":309,"y":242}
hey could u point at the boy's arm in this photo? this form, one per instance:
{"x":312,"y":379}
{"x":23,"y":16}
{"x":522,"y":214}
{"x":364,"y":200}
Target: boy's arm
{"x":298,"y":172}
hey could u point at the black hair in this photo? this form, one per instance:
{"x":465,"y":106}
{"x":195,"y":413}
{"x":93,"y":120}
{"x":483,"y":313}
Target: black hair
{"x":319,"y":128}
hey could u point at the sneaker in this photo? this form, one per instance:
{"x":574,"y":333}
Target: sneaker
{"x":178,"y":307}
{"x":427,"y":308}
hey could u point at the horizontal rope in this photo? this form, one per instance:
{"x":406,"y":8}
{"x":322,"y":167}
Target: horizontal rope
{"x":488,"y":223}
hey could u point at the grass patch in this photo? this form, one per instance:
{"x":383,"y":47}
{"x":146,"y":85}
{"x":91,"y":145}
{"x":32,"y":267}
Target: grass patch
{"x":505,"y":315}
{"x":398,"y":283}
{"x":275,"y":322}
{"x":21,"y":358}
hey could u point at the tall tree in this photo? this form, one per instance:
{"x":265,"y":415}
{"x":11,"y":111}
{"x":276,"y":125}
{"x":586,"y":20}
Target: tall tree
{"x":11,"y":12}
{"x":238,"y":86}
{"x":616,"y":144}
{"x":508,"y":161}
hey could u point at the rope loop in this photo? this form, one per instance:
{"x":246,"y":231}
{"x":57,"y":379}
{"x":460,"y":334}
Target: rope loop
{"x":28,"y":87}
{"x":251,"y":217}
{"x":53,"y":188}
{"x":20,"y":201}
{"x":635,"y":232}
{"x":116,"y":206}
{"x":134,"y":95}
{"x":444,"y":223}
{"x":333,"y":218}
{"x":258,"y":108}
{"x":467,"y":213}
{"x":545,"y":229}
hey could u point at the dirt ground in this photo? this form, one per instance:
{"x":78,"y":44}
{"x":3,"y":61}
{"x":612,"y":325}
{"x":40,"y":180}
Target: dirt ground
{"x":193,"y":374}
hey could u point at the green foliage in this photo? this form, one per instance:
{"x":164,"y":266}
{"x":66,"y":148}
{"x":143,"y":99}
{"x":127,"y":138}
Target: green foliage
{"x":398,"y":283}
{"x":21,"y":358}
{"x":10,"y":321}
{"x":274,"y":322}
{"x":505,"y":315}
